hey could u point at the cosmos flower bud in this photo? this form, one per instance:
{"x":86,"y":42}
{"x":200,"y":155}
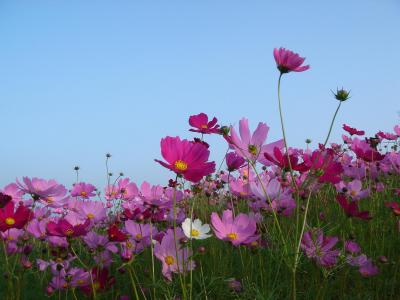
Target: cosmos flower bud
{"x":342,"y":94}
{"x":224,"y":130}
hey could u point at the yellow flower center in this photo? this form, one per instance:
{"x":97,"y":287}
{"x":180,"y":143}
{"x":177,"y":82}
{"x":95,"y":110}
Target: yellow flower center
{"x":169,"y":260}
{"x":353,"y":193}
{"x":10,"y":221}
{"x":129,"y":245}
{"x":80,"y":281}
{"x":195,"y":232}
{"x":204,"y":126}
{"x":69,"y":232}
{"x":96,"y":285}
{"x":50,"y":199}
{"x":90,"y":216}
{"x":232,"y":236}
{"x":138,"y":236}
{"x":181,"y":165}
{"x":253,"y":149}
{"x":83,"y":194}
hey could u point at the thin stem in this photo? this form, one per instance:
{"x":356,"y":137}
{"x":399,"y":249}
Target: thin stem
{"x":333,"y":121}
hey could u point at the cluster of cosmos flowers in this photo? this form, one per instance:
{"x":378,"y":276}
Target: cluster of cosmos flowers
{"x":125,"y":220}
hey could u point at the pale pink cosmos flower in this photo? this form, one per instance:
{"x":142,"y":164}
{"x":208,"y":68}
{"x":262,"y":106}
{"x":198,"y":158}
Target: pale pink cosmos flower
{"x":251,"y":146}
{"x":42,"y":189}
{"x":83,"y":190}
{"x":92,"y":210}
{"x":37,"y":228}
{"x":239,"y":230}
{"x":13,"y":191}
{"x":173,"y":258}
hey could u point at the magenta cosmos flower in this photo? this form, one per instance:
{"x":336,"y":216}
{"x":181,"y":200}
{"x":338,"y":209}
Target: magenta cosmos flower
{"x":186,"y":158}
{"x":202,"y":125}
{"x":287,"y":61}
{"x":239,"y":230}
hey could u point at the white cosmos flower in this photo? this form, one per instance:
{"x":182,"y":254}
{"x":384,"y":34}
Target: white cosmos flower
{"x":195,"y":229}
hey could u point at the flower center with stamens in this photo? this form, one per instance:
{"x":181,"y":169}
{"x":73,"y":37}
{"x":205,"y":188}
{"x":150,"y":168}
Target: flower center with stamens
{"x":232,"y":236}
{"x":205,"y":126}
{"x":195,"y":232}
{"x":69,"y":231}
{"x":83,"y":194}
{"x":181,"y":165}
{"x":169,"y":260}
{"x":353,"y":193}
{"x":10,"y":221}
{"x":253,"y":149}
{"x":96,"y":285}
{"x":138,"y":236}
{"x":129,"y":244}
{"x":90,"y":216}
{"x":50,"y":199}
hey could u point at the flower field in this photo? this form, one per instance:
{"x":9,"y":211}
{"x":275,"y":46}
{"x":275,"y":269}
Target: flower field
{"x":269,"y":221}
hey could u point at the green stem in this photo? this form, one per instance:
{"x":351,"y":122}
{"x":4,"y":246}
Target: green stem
{"x":333,"y":121}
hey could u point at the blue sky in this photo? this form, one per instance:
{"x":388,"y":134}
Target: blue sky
{"x":83,"y":78}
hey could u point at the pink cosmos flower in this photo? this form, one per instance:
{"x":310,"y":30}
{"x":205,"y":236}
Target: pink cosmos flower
{"x":92,"y":210}
{"x":364,"y":151}
{"x":234,"y":161}
{"x":83,"y":190}
{"x":202,"y":125}
{"x":353,"y":189}
{"x":127,"y":190}
{"x":97,"y":241}
{"x":251,"y":146}
{"x":13,"y":191}
{"x":42,"y":189}
{"x":387,"y":136}
{"x":64,"y":229}
{"x":324,"y":166}
{"x":37,"y":228}
{"x":273,"y":196}
{"x":353,"y":131}
{"x":140,"y":232}
{"x":397,"y":130}
{"x":320,"y":247}
{"x":287,"y":61}
{"x":173,"y":260}
{"x":186,"y":158}
{"x":239,"y":230}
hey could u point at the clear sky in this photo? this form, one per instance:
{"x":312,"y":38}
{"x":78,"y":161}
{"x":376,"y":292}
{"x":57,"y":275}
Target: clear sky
{"x":82,"y":78}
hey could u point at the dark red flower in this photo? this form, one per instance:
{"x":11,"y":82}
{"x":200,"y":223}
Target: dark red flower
{"x":116,"y":235}
{"x":394,"y":206}
{"x":202,"y":125}
{"x":353,"y":131}
{"x":65,"y":229}
{"x":14,"y":219}
{"x":101,"y":281}
{"x":351,"y":208}
{"x":4,"y":199}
